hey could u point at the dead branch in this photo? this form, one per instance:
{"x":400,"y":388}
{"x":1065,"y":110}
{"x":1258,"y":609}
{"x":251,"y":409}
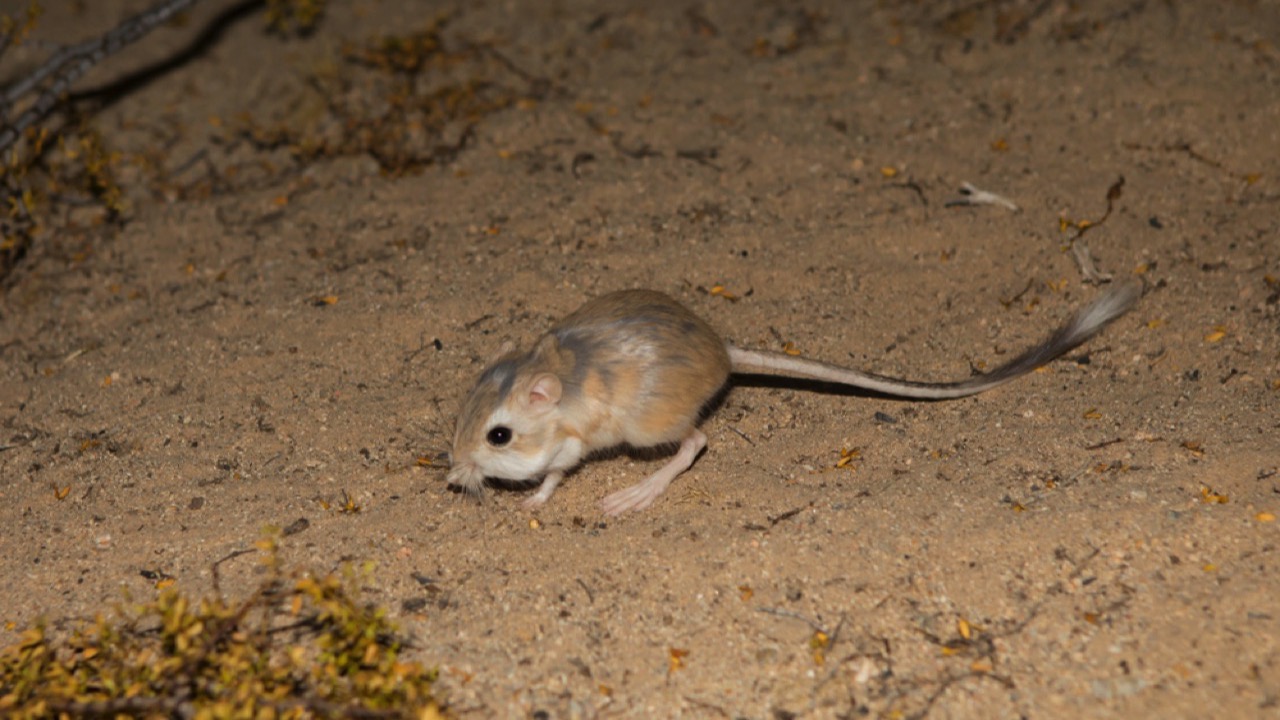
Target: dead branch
{"x":66,"y":66}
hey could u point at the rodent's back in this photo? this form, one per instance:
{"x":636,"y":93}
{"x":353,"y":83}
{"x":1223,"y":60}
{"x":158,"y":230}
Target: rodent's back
{"x":643,"y":367}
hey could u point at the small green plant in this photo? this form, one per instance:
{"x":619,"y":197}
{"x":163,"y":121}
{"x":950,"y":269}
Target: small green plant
{"x":299,"y":647}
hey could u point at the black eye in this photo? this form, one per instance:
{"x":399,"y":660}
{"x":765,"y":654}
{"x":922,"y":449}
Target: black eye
{"x":499,"y":436}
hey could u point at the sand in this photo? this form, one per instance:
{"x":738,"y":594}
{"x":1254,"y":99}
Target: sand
{"x":271,"y":338}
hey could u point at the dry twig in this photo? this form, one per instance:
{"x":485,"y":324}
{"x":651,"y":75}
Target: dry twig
{"x":69,"y":64}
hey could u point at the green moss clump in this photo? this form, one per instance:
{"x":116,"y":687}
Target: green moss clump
{"x":299,"y":647}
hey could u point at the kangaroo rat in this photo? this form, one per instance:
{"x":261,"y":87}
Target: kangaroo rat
{"x":637,"y":368}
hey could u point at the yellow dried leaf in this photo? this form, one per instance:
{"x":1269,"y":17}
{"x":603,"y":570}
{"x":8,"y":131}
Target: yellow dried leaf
{"x":1155,"y":323}
{"x":818,"y":643}
{"x":1265,"y":517}
{"x":889,"y":171}
{"x":1209,"y":496}
{"x":675,"y":659}
{"x":1218,"y":333}
{"x":848,"y":455}
{"x":745,"y":592}
{"x":1092,"y":414}
{"x":534,"y":524}
{"x":790,"y":348}
{"x":349,"y":505}
{"x":964,"y":628}
{"x":722,"y":291}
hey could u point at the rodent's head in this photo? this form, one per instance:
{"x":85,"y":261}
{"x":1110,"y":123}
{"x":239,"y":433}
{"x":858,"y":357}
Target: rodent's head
{"x":509,"y":427}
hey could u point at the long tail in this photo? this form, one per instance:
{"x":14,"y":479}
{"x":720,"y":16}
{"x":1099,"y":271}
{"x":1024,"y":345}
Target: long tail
{"x":1086,"y":323}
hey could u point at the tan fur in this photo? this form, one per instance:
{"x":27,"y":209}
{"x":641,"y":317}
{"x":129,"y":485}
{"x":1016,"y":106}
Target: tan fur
{"x":642,"y":374}
{"x":635,"y":367}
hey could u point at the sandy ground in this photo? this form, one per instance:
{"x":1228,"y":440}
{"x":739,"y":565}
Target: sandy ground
{"x":1096,"y":540}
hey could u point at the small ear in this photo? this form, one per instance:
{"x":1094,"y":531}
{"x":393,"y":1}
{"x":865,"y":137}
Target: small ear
{"x":544,"y":390}
{"x":548,"y":346}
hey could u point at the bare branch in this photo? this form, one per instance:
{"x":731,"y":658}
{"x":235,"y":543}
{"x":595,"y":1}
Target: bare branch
{"x":14,"y":92}
{"x":69,"y":64}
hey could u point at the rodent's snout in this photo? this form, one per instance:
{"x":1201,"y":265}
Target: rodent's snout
{"x":466,"y":475}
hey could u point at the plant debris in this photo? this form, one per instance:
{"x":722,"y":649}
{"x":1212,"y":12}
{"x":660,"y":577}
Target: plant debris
{"x":300,"y":646}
